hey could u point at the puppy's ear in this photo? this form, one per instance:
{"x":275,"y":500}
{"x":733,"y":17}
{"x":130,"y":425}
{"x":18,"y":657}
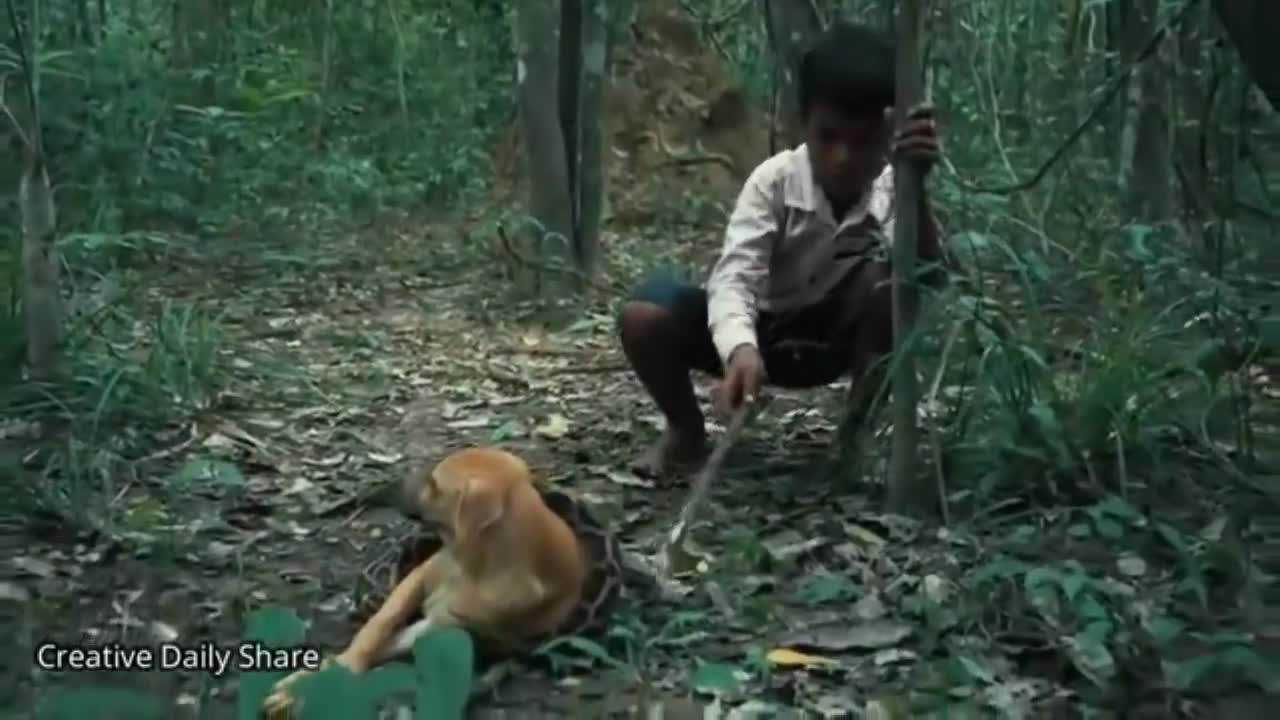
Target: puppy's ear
{"x":480,"y":505}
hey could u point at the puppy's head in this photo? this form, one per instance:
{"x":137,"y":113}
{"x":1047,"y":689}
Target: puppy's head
{"x":466,"y":493}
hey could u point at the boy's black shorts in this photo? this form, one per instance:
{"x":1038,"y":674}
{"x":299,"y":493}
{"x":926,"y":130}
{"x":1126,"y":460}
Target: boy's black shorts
{"x":801,"y":349}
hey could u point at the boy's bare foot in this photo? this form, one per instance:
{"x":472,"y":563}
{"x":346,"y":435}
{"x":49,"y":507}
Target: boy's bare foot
{"x":672,"y":453}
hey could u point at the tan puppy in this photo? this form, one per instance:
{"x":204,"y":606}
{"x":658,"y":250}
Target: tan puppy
{"x":510,"y":569}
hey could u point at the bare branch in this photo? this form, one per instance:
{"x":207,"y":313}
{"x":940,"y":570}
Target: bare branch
{"x":1119,"y":84}
{"x":25,"y":62}
{"x":4,"y":107}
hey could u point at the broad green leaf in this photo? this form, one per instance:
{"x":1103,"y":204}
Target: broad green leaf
{"x":820,"y":589}
{"x":1091,"y":610}
{"x":587,"y":647}
{"x":975,"y":670}
{"x":445,"y":662}
{"x":1185,"y":674}
{"x":506,"y":431}
{"x":1173,"y":537}
{"x":100,"y":703}
{"x":715,"y":677}
{"x":1002,"y":568}
{"x":1092,"y":658}
{"x":1120,"y":508}
{"x":1073,"y":583}
{"x":273,"y":626}
{"x":206,"y":470}
{"x":1098,"y":631}
{"x":333,"y":693}
{"x":387,"y":680}
{"x":1165,"y":629}
{"x":1108,"y":528}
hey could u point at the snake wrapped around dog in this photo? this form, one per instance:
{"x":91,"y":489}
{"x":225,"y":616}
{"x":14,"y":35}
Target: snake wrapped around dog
{"x":606,"y":576}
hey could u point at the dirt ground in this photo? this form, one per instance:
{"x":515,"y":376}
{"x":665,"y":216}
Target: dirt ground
{"x":345,"y":373}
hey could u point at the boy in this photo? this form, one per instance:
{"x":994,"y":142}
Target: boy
{"x":797,"y":295}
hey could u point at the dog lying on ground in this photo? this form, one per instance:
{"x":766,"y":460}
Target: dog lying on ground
{"x":509,"y":571}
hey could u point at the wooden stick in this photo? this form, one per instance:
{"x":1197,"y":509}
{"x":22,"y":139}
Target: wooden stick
{"x":675,"y":557}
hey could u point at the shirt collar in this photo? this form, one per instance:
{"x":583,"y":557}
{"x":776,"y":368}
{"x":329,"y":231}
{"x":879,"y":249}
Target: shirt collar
{"x":801,"y":192}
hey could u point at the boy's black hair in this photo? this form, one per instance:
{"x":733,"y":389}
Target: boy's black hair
{"x":850,"y":67}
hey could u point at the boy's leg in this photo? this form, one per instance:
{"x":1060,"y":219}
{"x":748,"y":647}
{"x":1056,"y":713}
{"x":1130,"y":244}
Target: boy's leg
{"x":664,"y":336}
{"x":868,"y":313}
{"x":849,"y":332}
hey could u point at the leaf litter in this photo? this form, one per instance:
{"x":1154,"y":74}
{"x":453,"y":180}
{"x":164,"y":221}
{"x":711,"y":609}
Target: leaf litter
{"x":800,"y":604}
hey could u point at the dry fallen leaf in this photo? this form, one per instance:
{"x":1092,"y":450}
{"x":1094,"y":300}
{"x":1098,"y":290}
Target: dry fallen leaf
{"x":555,"y":427}
{"x":1131,"y":565}
{"x":299,"y":485}
{"x":627,"y":479}
{"x":936,"y":589}
{"x":873,"y":635}
{"x":869,"y":607}
{"x":163,"y":632}
{"x":32,"y":566}
{"x":14,"y":592}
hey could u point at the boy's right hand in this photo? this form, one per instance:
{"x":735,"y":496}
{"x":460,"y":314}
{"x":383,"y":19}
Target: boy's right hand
{"x":743,"y":378}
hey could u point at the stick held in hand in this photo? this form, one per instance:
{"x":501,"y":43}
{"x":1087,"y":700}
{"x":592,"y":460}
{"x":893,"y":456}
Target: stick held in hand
{"x":674,"y":556}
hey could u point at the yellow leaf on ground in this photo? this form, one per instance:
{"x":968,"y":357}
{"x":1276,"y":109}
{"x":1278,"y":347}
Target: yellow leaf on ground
{"x":791,"y":658}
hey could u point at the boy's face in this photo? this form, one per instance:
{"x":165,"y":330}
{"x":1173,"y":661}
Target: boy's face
{"x":848,"y":151}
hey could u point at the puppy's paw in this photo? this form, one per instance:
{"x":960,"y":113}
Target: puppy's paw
{"x":281,"y":704}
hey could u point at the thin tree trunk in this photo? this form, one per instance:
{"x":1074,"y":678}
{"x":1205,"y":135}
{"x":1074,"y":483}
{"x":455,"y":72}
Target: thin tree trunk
{"x":590,"y":173}
{"x":790,"y":25}
{"x":907,"y":492}
{"x":537,"y":33}
{"x":41,"y":292}
{"x":569,"y":62}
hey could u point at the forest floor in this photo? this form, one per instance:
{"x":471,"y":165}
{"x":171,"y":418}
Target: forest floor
{"x":342,"y":371}
{"x":339,"y":361}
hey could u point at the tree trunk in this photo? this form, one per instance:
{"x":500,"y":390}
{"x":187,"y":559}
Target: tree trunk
{"x":790,"y":25}
{"x":569,"y":89}
{"x":1252,"y":26}
{"x":537,"y":24}
{"x":907,"y":492}
{"x":1153,"y":151}
{"x":1145,"y":145}
{"x":41,"y":291}
{"x":590,"y":181}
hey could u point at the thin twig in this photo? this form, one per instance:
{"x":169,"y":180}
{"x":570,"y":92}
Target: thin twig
{"x":26,"y":63}
{"x":681,"y":159}
{"x":4,"y":107}
{"x":1119,"y":84}
{"x":674,"y":556}
{"x":592,"y":369}
{"x":509,"y":248}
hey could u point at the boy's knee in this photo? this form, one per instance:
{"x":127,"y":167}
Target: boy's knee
{"x":869,"y":298}
{"x":661,"y":306}
{"x":643,"y":319}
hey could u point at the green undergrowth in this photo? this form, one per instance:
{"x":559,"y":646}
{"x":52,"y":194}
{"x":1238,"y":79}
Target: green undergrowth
{"x":438,"y":682}
{"x":1051,"y":376}
{"x":133,"y":377}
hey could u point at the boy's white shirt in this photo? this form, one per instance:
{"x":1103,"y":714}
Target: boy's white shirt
{"x":783,"y":249}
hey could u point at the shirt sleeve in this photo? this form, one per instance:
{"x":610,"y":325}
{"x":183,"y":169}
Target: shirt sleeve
{"x":882,"y":205}
{"x":738,"y":277}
